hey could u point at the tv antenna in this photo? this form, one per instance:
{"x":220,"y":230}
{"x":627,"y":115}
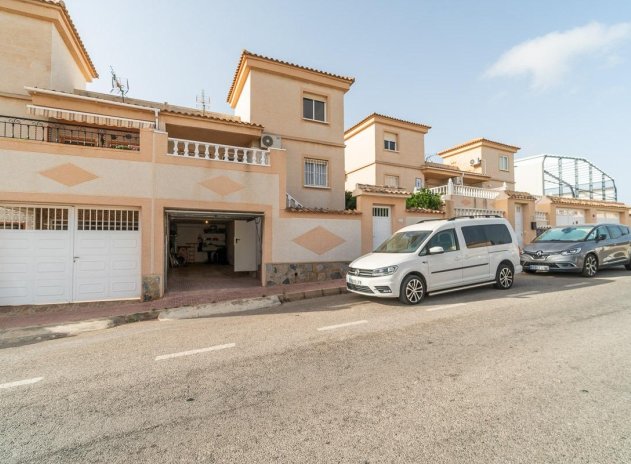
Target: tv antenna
{"x":203,"y":102}
{"x":118,"y":86}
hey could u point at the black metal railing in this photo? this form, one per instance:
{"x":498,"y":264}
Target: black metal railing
{"x":70,"y":134}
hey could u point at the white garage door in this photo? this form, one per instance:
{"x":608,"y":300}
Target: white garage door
{"x":106,"y":255}
{"x":64,"y":254}
{"x":381,"y":225}
{"x":568,"y":216}
{"x":35,"y":255}
{"x":608,"y":216}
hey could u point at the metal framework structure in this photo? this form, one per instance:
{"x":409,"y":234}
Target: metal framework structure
{"x":571,"y":177}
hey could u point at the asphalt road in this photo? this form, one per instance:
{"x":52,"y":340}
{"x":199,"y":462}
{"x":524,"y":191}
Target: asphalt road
{"x":537,"y":374}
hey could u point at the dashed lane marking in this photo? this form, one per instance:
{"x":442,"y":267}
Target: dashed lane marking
{"x":438,"y":308}
{"x":339,"y":326}
{"x":20,"y":383}
{"x":190,"y":352}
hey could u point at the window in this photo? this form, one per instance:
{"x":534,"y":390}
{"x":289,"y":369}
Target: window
{"x":603,"y":231}
{"x":390,"y":141}
{"x":391,"y":181}
{"x":313,"y":109}
{"x":489,"y":235}
{"x":33,"y":218}
{"x":418,"y":183}
{"x":107,"y":219}
{"x":615,"y":231}
{"x":316,"y":173}
{"x":403,"y":242}
{"x":446,"y":239}
{"x":503,"y":163}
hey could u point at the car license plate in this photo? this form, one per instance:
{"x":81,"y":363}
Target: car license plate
{"x":539,"y":267}
{"x":354,"y":281}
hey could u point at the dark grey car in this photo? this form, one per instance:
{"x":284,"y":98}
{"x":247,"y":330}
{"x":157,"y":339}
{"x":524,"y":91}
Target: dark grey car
{"x":584,"y":248}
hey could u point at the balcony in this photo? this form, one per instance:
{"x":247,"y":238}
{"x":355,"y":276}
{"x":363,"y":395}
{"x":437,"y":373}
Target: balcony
{"x":465,"y":191}
{"x":217,"y":152}
{"x":69,"y":134}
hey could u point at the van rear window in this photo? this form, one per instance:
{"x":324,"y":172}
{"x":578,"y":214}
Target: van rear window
{"x":486,"y":235}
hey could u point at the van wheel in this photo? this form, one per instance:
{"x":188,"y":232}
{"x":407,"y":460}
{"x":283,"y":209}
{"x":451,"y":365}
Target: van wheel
{"x":590,"y":266}
{"x":412,"y":290}
{"x":504,"y":277}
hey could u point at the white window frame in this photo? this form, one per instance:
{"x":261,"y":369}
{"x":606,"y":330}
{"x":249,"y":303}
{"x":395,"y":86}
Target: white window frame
{"x":314,"y":178}
{"x":390,"y":141}
{"x":313,"y":99}
{"x":504,"y":160}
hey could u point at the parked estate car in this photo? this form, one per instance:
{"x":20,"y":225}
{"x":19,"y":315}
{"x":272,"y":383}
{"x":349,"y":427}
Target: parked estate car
{"x":438,"y":256}
{"x":580,"y":248}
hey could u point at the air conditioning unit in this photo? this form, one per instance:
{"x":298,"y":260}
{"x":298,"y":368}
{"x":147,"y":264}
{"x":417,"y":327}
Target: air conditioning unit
{"x":271,"y":141}
{"x":475,"y":161}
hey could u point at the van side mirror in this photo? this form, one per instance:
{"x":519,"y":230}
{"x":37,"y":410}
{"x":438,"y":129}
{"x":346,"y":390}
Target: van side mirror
{"x":437,"y":250}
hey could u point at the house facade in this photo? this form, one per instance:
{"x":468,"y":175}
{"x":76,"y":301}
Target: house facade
{"x":109,"y":198}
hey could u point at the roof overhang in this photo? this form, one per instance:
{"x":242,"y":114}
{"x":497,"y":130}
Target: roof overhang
{"x":250,"y":61}
{"x":387,"y":121}
{"x":477,"y":143}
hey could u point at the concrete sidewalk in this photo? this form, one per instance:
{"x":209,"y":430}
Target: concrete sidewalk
{"x":28,"y":324}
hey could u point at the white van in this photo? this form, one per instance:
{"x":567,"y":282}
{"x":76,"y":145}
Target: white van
{"x":438,"y":256}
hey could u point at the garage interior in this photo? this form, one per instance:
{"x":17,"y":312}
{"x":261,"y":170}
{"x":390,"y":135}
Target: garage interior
{"x":212,"y":250}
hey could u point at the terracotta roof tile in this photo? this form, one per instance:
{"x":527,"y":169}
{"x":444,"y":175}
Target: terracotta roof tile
{"x":247,"y":53}
{"x":425,"y":210}
{"x":383,"y":189}
{"x":214,"y":117}
{"x":585,"y":202}
{"x":379,"y":115}
{"x":519,"y":195}
{"x":345,"y":212}
{"x":474,"y":141}
{"x":62,"y":5}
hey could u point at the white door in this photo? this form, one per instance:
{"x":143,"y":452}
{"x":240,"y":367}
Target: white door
{"x":35,"y":255}
{"x":568,"y":216}
{"x":519,"y":224}
{"x":245,"y":246}
{"x":381,"y":225}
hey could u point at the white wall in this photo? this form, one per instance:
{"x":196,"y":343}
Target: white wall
{"x":529,"y":175}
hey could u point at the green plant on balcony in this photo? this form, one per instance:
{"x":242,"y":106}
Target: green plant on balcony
{"x":424,"y":199}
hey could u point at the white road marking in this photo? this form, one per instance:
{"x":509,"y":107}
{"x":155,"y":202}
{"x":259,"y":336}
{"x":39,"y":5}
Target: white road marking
{"x":437,"y":308}
{"x":532,"y":292}
{"x":190,"y":352}
{"x":576,"y":285}
{"x":19,"y":383}
{"x":339,"y":326}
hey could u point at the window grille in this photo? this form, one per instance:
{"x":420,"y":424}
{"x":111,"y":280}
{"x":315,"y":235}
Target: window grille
{"x":107,"y":219}
{"x":380,"y":211}
{"x":316,"y":173}
{"x":33,"y":218}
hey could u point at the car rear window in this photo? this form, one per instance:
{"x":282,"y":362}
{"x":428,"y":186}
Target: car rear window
{"x":486,"y":235}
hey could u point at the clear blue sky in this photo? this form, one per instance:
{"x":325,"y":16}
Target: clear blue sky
{"x":548,"y":76}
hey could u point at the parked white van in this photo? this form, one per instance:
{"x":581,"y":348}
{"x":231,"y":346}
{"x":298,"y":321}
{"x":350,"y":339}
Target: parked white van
{"x":438,"y":256}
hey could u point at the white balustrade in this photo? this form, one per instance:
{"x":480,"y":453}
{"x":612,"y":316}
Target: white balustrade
{"x":292,"y":202}
{"x":465,"y":191}
{"x":218,"y":152}
{"x":478,"y":212}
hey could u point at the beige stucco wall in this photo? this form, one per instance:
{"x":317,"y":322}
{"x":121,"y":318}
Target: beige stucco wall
{"x":344,"y":231}
{"x":65,"y":74}
{"x":275,"y":101}
{"x":410,"y":150}
{"x":407,"y":176}
{"x":490,"y":165}
{"x":25,"y":54}
{"x":360,"y":150}
{"x":366,"y":175}
{"x":242,"y":109}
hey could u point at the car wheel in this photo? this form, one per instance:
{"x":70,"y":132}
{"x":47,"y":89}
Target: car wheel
{"x":628,"y":265}
{"x":504,"y":277}
{"x":590,"y":266}
{"x":412,"y":290}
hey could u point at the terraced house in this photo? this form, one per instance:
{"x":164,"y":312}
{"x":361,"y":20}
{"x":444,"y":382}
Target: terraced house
{"x":109,"y":198}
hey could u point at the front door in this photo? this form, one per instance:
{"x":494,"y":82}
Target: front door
{"x":381,"y":225}
{"x":245,"y":246}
